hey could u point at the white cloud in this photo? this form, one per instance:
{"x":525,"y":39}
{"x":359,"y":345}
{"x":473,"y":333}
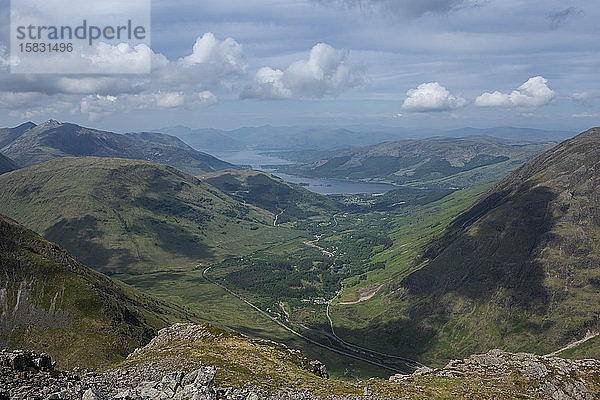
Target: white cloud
{"x":430,"y":97}
{"x":122,"y":58}
{"x":98,"y":106}
{"x":169,"y":100}
{"x":188,"y":81}
{"x":325,"y":73}
{"x":532,"y":94}
{"x":226,"y":54}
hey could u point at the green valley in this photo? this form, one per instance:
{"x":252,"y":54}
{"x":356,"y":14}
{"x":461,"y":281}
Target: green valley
{"x":249,"y":251}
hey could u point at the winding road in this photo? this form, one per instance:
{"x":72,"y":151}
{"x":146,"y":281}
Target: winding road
{"x":389,"y":362}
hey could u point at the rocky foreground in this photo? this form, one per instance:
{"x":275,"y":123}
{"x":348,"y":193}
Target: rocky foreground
{"x":183,"y":362}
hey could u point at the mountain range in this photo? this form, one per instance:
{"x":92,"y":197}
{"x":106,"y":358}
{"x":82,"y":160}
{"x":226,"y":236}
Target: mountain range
{"x":269,"y":137}
{"x":435,"y":162}
{"x":432,"y":275}
{"x":30,"y":144}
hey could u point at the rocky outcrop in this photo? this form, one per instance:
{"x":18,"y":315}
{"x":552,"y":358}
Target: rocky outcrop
{"x":494,"y":375}
{"x":27,"y":375}
{"x":542,"y":376}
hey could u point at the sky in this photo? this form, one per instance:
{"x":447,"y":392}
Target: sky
{"x":411,"y":63}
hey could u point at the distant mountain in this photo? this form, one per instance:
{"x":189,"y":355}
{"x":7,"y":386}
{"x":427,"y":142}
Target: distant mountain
{"x":269,"y":137}
{"x":276,"y":138}
{"x":121,"y":215}
{"x":51,"y":302}
{"x":53,"y":139}
{"x":287,"y":200}
{"x":8,"y":135}
{"x":160,"y":138}
{"x":205,"y":139}
{"x":6,"y":164}
{"x":435,"y":162}
{"x":519,"y":269}
{"x":513,"y":134}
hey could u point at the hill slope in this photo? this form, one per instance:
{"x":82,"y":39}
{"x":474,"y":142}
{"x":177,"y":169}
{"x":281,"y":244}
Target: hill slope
{"x":52,"y":140}
{"x":8,"y":135}
{"x":121,"y":215}
{"x":6,"y":164}
{"x":287,"y":200}
{"x":51,"y":302}
{"x":519,"y":269}
{"x":434,"y":162}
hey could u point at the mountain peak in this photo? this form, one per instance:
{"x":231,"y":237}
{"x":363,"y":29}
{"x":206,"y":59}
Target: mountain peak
{"x":51,"y":123}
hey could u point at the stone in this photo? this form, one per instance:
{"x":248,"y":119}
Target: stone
{"x":18,"y":361}
{"x":43,"y":362}
{"x":92,"y":394}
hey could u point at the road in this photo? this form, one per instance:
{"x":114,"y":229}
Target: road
{"x":311,"y":243}
{"x":392,"y":363}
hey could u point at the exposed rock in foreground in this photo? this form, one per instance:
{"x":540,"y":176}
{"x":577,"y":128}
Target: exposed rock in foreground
{"x":540,"y":376}
{"x":202,"y":362}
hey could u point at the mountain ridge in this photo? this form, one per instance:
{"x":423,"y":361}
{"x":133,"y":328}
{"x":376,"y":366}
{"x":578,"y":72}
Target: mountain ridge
{"x":435,"y":162}
{"x":53,"y":139}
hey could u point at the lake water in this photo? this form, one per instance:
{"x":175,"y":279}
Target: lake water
{"x":256,"y":160}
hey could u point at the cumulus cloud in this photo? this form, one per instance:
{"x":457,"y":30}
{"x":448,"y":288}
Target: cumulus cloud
{"x":191,"y":80}
{"x":325,"y":73}
{"x":98,"y":106}
{"x":532,"y":94}
{"x":226,"y":54}
{"x":405,"y":8}
{"x":431,"y":97}
{"x":210,"y":65}
{"x":121,"y":58}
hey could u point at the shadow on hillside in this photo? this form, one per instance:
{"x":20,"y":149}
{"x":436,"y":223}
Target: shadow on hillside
{"x":77,"y":236}
{"x":491,"y":248}
{"x":157,"y":191}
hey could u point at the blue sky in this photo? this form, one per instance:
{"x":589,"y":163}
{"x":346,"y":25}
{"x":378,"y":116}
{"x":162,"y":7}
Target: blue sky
{"x":412,"y":63}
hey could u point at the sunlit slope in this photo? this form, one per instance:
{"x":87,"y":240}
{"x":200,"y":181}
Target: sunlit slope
{"x":121,"y":215}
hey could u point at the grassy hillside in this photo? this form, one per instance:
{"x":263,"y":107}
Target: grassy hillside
{"x":121,"y":215}
{"x":517,"y":271}
{"x":51,"y":302}
{"x":53,"y":139}
{"x":286,"y":200}
{"x":435,"y":162}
